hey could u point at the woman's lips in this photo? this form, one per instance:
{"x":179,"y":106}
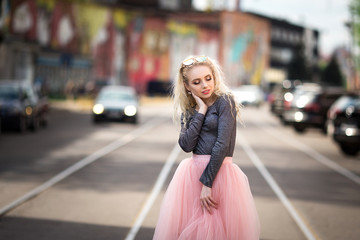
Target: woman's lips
{"x":206,"y":92}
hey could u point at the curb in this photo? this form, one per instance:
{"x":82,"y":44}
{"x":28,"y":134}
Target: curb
{"x":85,"y":105}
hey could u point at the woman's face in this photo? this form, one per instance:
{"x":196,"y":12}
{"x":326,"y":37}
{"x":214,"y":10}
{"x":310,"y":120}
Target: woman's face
{"x":200,"y":81}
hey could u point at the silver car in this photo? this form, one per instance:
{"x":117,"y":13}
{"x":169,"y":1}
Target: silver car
{"x":116,"y":103}
{"x":249,"y":95}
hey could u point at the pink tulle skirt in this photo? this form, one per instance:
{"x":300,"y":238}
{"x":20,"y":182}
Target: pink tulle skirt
{"x":182,"y":217}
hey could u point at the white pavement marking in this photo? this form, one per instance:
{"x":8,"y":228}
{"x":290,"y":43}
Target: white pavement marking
{"x":83,"y":162}
{"x":275,"y":187}
{"x":314,"y":154}
{"x":155,"y":192}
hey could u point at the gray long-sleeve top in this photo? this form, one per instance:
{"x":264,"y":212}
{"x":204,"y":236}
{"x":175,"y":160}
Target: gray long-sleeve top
{"x":211,"y":134}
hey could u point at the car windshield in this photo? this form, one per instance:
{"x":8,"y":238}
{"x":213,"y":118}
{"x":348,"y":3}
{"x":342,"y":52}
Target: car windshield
{"x":116,"y":96}
{"x":356,"y":102}
{"x":248,"y":88}
{"x":302,"y":98}
{"x":8,"y":93}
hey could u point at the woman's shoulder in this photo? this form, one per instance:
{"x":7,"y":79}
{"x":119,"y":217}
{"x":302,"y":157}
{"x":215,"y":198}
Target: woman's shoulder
{"x":225,"y":100}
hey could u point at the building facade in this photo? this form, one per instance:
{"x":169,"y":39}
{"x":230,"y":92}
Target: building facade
{"x":287,"y":40}
{"x":84,"y":43}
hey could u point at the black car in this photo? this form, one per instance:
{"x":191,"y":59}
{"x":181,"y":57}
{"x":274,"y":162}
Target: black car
{"x":343,"y":123}
{"x":20,"y":106}
{"x":310,"y":105}
{"x":281,"y":97}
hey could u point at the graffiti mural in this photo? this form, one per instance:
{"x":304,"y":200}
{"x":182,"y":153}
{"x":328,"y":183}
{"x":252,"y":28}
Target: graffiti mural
{"x":245,"y":50}
{"x":132,"y":48}
{"x":148,"y":52}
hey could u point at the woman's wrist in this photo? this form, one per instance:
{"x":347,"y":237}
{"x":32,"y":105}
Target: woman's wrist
{"x":203,"y":109}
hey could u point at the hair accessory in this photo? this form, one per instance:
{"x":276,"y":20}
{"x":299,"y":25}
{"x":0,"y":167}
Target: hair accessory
{"x":190,"y":61}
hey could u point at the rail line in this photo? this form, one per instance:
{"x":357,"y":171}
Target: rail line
{"x":83,"y":163}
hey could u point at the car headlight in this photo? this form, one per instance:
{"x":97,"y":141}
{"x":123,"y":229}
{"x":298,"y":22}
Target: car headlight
{"x":98,"y":108}
{"x":299,"y":116}
{"x":288,"y":96}
{"x":130,"y":110}
{"x":28,"y":110}
{"x":302,"y":101}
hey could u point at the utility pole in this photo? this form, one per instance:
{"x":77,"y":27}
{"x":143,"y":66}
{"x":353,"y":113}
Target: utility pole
{"x":354,"y":46}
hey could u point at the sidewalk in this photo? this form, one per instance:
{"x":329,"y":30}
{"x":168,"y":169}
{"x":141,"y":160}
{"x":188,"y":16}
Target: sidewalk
{"x":85,"y":104}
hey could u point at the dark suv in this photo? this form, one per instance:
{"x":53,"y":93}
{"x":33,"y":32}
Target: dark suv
{"x":310,"y":105}
{"x":281,"y":97}
{"x":343,"y":123}
{"x":20,"y":106}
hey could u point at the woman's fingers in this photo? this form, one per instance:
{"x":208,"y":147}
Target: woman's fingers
{"x":208,"y":203}
{"x":212,"y":202}
{"x":206,"y":206}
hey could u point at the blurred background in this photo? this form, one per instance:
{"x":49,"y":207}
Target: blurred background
{"x":74,"y":47}
{"x":79,"y":75}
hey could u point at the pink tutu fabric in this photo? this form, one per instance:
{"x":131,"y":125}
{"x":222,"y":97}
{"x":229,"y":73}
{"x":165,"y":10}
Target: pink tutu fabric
{"x":182,"y":217}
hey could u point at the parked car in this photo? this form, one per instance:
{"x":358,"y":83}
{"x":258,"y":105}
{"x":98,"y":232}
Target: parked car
{"x":343,"y":123}
{"x":310,"y":105}
{"x":249,"y":95}
{"x":281,"y":97}
{"x":116,"y":103}
{"x":21,"y":107}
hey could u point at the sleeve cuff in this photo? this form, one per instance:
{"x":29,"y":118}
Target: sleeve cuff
{"x":199,"y":116}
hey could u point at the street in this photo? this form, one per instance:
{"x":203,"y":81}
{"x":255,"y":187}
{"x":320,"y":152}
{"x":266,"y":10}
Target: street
{"x":102,"y":181}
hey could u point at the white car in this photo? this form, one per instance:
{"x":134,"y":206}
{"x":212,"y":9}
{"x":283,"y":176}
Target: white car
{"x":116,"y":103}
{"x":249,"y":95}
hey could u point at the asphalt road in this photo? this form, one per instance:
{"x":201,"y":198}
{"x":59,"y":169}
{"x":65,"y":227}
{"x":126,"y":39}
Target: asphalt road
{"x":102,"y":181}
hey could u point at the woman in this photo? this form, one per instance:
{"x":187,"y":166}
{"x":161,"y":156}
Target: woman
{"x":209,"y":197}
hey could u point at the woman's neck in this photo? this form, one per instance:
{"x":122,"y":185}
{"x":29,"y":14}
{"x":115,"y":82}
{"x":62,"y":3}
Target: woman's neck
{"x":210,"y":101}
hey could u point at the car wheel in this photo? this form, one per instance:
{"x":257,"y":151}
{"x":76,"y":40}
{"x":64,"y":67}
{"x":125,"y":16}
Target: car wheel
{"x":299,"y":128}
{"x":43,"y":121}
{"x":35,"y":123}
{"x":284,"y":122}
{"x":349,"y":149}
{"x":134,"y":120}
{"x":95,"y":119}
{"x":21,"y":124}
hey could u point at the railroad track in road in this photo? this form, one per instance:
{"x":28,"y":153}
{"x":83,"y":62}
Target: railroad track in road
{"x":290,"y":165}
{"x":127,"y":138}
{"x":291,"y":187}
{"x":276,"y":188}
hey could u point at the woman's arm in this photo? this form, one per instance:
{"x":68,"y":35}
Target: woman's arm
{"x":189,"y":134}
{"x":226,"y":135}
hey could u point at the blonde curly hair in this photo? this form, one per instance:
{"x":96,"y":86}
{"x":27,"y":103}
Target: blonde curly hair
{"x":184,"y":104}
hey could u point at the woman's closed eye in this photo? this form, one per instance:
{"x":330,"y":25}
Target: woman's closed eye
{"x":196,"y":82}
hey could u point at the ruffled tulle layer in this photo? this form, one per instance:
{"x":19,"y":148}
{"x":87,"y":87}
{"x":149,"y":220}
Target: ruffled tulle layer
{"x":182,"y":217}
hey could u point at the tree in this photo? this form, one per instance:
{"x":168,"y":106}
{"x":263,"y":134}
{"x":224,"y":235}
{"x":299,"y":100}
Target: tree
{"x":332,"y":75}
{"x":354,"y":27}
{"x":355,"y":20}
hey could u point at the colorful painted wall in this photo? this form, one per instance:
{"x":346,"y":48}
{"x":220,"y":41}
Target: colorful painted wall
{"x":147,"y":51}
{"x":245,"y":48}
{"x":72,"y":29}
{"x":134,"y":48}
{"x":157,"y":46}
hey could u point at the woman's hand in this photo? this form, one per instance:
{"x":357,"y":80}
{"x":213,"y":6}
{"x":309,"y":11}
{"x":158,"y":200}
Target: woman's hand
{"x":202,"y":106}
{"x":206,"y":200}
